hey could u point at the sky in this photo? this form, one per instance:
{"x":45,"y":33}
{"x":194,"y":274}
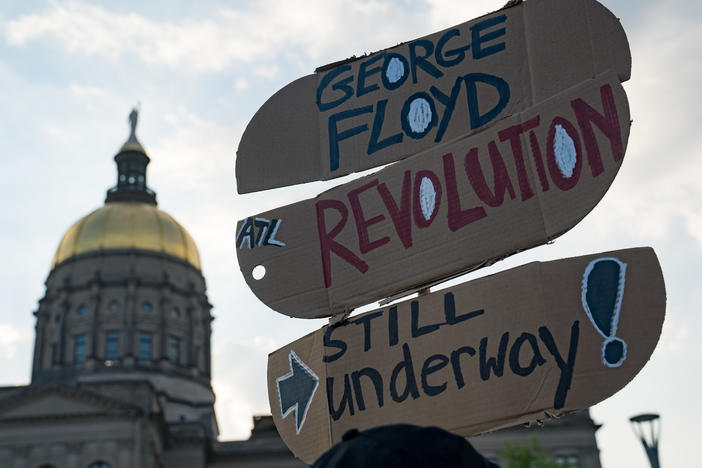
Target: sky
{"x":71,"y":71}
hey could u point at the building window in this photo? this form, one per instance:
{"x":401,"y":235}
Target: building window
{"x":111,"y":345}
{"x":568,"y":461}
{"x":79,"y":349}
{"x":145,"y":339}
{"x":146,"y":307}
{"x":113,"y":306}
{"x":82,"y":309}
{"x":175,"y":313}
{"x":174,"y":349}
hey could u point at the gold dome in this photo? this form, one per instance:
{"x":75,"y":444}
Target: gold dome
{"x":132,"y":144}
{"x":128,"y":225}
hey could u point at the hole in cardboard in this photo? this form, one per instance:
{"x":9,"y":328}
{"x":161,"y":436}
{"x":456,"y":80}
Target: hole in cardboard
{"x":258,"y":272}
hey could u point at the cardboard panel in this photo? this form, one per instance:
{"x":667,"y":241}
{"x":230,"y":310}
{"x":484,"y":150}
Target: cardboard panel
{"x":383,"y":107}
{"x":518,"y":184}
{"x":526,"y":344}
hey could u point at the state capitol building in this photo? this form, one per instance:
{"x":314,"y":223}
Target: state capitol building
{"x":121,"y":373}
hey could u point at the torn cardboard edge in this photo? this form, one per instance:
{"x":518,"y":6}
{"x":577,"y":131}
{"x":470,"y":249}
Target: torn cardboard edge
{"x":497,"y":351}
{"x":403,"y":100}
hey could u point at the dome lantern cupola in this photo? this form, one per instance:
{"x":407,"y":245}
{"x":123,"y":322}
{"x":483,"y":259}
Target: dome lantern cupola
{"x":131,"y":170}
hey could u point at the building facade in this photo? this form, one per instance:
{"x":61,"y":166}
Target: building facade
{"x":121,"y":374}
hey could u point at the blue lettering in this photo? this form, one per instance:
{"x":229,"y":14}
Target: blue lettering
{"x":335,"y":137}
{"x":395,"y":71}
{"x":418,"y":115}
{"x":375,"y":145}
{"x":364,"y":73}
{"x":341,"y":85}
{"x":450,"y":104}
{"x":478,"y":40}
{"x":476,"y":119}
{"x":421,"y":61}
{"x":459,"y":53}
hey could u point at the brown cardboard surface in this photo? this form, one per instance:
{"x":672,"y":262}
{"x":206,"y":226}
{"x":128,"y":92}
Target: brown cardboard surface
{"x":517,"y":184}
{"x":356,"y":115}
{"x":498,"y":351}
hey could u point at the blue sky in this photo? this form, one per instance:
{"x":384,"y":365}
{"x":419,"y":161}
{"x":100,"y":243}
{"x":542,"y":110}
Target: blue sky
{"x":71,"y":71}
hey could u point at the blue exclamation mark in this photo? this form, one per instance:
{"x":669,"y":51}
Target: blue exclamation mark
{"x":603,"y":290}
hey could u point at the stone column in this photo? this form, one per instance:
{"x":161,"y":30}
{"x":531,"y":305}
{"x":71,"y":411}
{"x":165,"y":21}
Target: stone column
{"x":190,"y":311}
{"x":95,"y":300}
{"x":64,"y":307}
{"x":164,"y":304}
{"x":130,"y":322}
{"x":207,"y":331}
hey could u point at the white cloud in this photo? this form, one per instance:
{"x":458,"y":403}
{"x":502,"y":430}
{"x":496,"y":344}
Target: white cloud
{"x":241,"y":84}
{"x":444,"y":14}
{"x":269,"y":71}
{"x":266,"y":32}
{"x":95,"y":31}
{"x":86,"y":91}
{"x":659,"y":179}
{"x":191,"y":152}
{"x":12,"y":337}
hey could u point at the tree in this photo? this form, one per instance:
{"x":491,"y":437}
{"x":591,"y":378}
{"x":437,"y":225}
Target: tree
{"x":519,"y":455}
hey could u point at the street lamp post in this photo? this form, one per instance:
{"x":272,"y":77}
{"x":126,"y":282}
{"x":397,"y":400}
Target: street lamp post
{"x":648,"y":428}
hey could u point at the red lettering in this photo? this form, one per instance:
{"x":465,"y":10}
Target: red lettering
{"x":513,"y":134}
{"x":562,"y":181}
{"x":500,"y":176}
{"x":457,"y":217}
{"x":327,"y":243}
{"x":400,"y":216}
{"x":419,"y":218}
{"x":607,"y":123}
{"x":362,"y":223}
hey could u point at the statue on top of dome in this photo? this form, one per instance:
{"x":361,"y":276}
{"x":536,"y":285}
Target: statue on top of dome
{"x":133,"y":118}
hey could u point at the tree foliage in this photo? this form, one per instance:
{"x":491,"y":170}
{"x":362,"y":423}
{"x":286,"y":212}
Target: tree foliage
{"x":520,"y":455}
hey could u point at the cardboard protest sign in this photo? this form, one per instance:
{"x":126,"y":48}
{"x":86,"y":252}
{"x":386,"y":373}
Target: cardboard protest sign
{"x":383,"y":107}
{"x":528,"y":343}
{"x":516,"y":185}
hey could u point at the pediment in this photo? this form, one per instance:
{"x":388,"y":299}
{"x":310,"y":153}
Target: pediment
{"x":50,"y":405}
{"x":57,"y":402}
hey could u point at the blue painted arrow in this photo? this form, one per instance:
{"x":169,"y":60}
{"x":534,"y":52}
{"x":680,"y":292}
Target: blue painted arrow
{"x":296,"y":389}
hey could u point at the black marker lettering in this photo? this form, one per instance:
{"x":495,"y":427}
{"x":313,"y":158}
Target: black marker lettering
{"x":365,"y":320}
{"x":346,"y":399}
{"x":496,"y":364}
{"x":536,"y":357}
{"x":565,"y":367}
{"x":377,"y":381}
{"x":410,"y":380}
{"x":428,"y":368}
